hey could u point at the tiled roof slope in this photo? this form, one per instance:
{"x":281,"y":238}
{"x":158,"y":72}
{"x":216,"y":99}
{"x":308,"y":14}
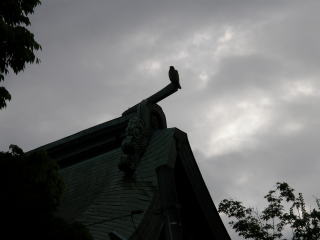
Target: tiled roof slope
{"x":98,"y":195}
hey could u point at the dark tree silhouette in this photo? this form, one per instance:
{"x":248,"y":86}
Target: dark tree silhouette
{"x":285,"y":211}
{"x":31,"y":192}
{"x":17,"y":43}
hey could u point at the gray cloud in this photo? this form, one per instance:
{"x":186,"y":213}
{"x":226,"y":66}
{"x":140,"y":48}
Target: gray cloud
{"x":249,"y":73}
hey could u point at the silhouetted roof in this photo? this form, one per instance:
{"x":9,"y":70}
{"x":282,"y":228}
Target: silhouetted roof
{"x":100,"y":196}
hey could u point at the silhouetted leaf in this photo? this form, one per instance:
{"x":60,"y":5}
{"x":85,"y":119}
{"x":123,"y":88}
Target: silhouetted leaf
{"x":17,"y":43}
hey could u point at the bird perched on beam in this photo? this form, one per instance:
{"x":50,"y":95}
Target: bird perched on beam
{"x":174,"y":77}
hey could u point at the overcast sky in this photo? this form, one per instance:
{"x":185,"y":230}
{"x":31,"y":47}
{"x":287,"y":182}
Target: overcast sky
{"x":249,"y":72}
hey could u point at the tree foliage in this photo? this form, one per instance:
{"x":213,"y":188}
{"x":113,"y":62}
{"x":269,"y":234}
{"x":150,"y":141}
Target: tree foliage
{"x":31,"y":192}
{"x":285,"y":211}
{"x":17,"y":43}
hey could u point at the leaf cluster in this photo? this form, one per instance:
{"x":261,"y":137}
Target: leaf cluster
{"x":284,"y":211}
{"x":17,"y":43}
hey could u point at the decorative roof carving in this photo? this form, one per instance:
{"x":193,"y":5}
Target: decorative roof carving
{"x":144,"y":120}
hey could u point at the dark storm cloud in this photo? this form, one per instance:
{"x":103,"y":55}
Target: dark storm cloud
{"x":293,"y":37}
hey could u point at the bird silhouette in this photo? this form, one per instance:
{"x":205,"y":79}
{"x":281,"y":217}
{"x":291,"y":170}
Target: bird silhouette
{"x":174,"y":77}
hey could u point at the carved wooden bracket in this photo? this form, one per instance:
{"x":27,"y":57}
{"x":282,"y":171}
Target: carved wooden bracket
{"x":146,"y":117}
